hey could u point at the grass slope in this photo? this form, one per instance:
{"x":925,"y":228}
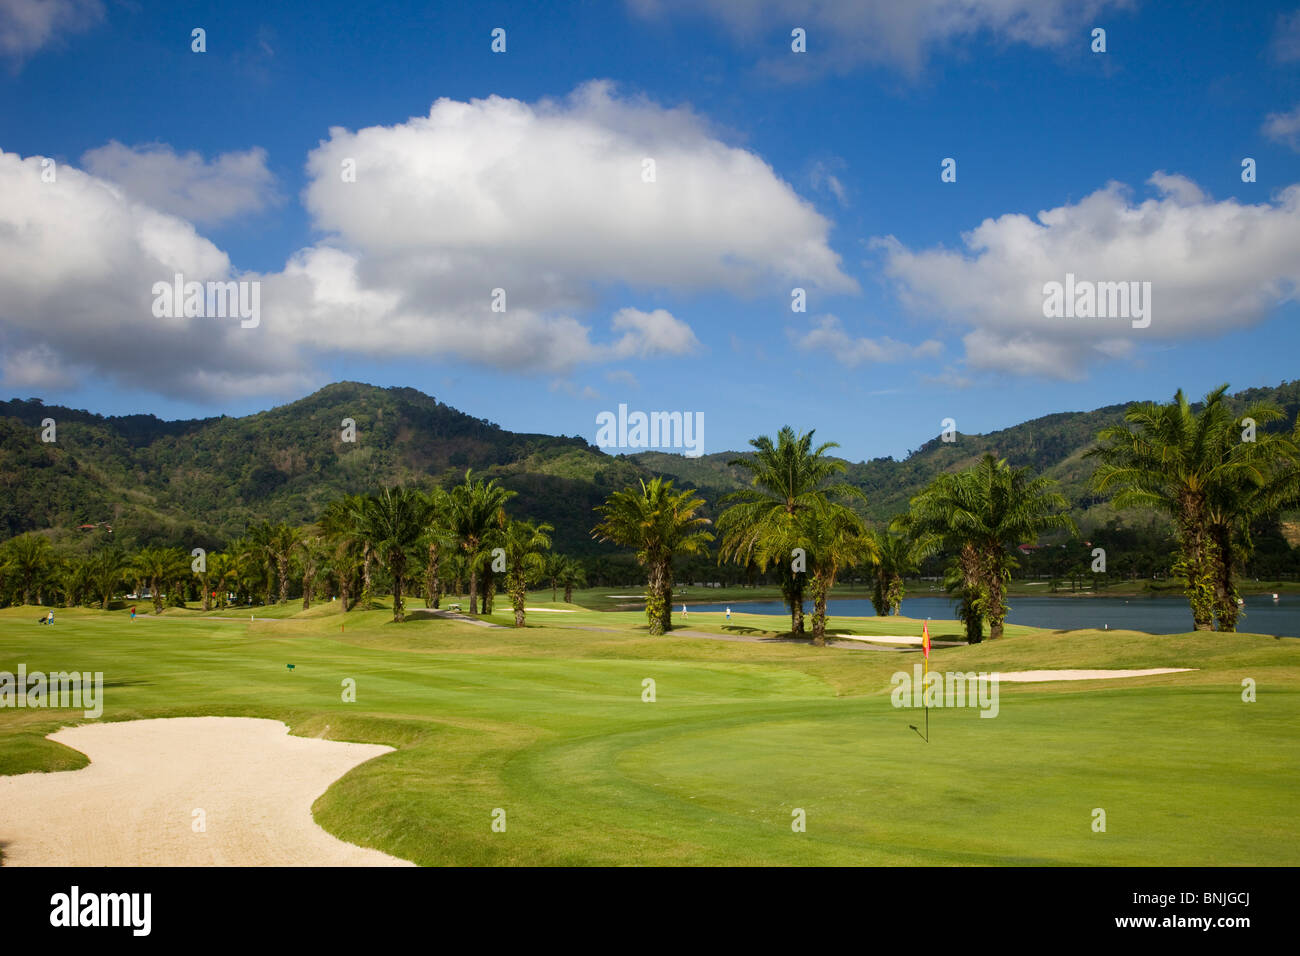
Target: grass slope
{"x":548,"y":723}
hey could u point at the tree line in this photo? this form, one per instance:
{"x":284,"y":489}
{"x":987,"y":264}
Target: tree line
{"x":1215,"y":476}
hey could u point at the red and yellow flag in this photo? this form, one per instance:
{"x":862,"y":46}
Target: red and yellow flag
{"x":925,"y":643}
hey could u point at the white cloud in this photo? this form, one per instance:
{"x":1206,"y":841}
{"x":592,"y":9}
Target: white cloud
{"x":647,"y":334}
{"x":845,"y":33}
{"x":544,"y":201}
{"x":525,"y":193}
{"x":822,"y":178}
{"x":28,"y":25}
{"x":204,"y":192}
{"x":828,"y":335}
{"x":622,"y":376}
{"x":78,"y":261}
{"x":1284,"y":128}
{"x":37,"y":368}
{"x":1214,"y":267}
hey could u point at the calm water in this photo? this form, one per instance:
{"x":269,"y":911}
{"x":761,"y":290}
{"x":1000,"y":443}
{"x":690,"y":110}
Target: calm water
{"x":1154,"y":615}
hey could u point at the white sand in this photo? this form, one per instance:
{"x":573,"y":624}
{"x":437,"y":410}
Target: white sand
{"x":883,"y":639}
{"x":550,"y":610}
{"x":1034,"y":677}
{"x":133,"y":806}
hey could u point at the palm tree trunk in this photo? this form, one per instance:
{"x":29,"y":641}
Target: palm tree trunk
{"x":819,"y":591}
{"x":366,"y":596}
{"x":894,"y":596}
{"x":1194,"y":565}
{"x":654,"y":610}
{"x":473,"y":591}
{"x":398,"y":615}
{"x":518,"y":588}
{"x":995,"y":588}
{"x":157,"y":596}
{"x":568,"y":594}
{"x":432,"y":583}
{"x":1225,"y":592}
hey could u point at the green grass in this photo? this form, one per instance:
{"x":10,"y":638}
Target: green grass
{"x":548,"y":723}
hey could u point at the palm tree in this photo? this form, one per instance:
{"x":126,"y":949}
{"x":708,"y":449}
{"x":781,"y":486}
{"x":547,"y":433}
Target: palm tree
{"x":108,"y":569}
{"x":222,"y":572}
{"x":659,"y":523}
{"x":437,"y":540}
{"x":28,"y":559}
{"x":338,"y":525}
{"x":157,"y":566}
{"x":525,"y":545}
{"x":313,"y":556}
{"x":554,"y":567}
{"x":980,"y":513}
{"x":392,"y":522}
{"x":572,"y":574}
{"x":477,"y":508}
{"x":786,"y":477}
{"x":833,"y":538}
{"x":898,"y":558}
{"x":281,"y":541}
{"x":1193,"y":467}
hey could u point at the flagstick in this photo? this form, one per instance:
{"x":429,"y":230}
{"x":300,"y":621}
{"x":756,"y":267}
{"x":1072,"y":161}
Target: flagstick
{"x":924,"y":698}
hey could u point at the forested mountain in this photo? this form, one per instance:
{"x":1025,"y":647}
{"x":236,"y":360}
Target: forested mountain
{"x":203,"y":481}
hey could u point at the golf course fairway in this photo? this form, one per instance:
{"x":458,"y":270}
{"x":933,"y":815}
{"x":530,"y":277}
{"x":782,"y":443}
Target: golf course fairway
{"x":751,"y":752}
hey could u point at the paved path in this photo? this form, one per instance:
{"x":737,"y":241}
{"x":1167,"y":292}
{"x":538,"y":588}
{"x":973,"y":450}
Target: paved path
{"x":451,"y":616}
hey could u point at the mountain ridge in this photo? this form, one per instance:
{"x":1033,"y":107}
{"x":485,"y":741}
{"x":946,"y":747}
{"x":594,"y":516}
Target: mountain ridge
{"x":206,"y":479}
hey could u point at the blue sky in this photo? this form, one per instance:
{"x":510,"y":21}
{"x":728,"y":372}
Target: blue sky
{"x":774,"y":170}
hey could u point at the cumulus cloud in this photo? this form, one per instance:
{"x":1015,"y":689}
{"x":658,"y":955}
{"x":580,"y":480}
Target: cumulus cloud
{"x":1214,"y":267}
{"x":78,"y":262}
{"x":545,"y":202}
{"x":1284,"y":128}
{"x":829,"y":335}
{"x":28,"y":25}
{"x":847,"y":33}
{"x":205,"y":192}
{"x":524,"y":191}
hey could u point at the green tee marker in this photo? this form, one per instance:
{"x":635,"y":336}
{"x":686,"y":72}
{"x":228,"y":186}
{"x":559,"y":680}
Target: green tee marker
{"x":290,"y":666}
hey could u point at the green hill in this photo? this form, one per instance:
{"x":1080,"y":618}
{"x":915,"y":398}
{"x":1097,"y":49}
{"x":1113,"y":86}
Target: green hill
{"x":205,"y":480}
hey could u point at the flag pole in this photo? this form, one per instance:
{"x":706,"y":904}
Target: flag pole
{"x":925,"y":641}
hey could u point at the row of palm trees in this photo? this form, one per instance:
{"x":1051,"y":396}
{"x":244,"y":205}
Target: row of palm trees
{"x":1214,"y":473}
{"x":419,"y":540}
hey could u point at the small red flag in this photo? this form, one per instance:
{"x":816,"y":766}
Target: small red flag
{"x":925,"y":639}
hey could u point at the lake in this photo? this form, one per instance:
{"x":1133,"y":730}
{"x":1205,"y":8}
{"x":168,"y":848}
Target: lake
{"x":1153,"y":615}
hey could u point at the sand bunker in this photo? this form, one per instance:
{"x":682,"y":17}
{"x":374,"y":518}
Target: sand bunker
{"x":884,"y":639}
{"x":134,"y":805}
{"x":550,"y":610}
{"x":1033,"y":677}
